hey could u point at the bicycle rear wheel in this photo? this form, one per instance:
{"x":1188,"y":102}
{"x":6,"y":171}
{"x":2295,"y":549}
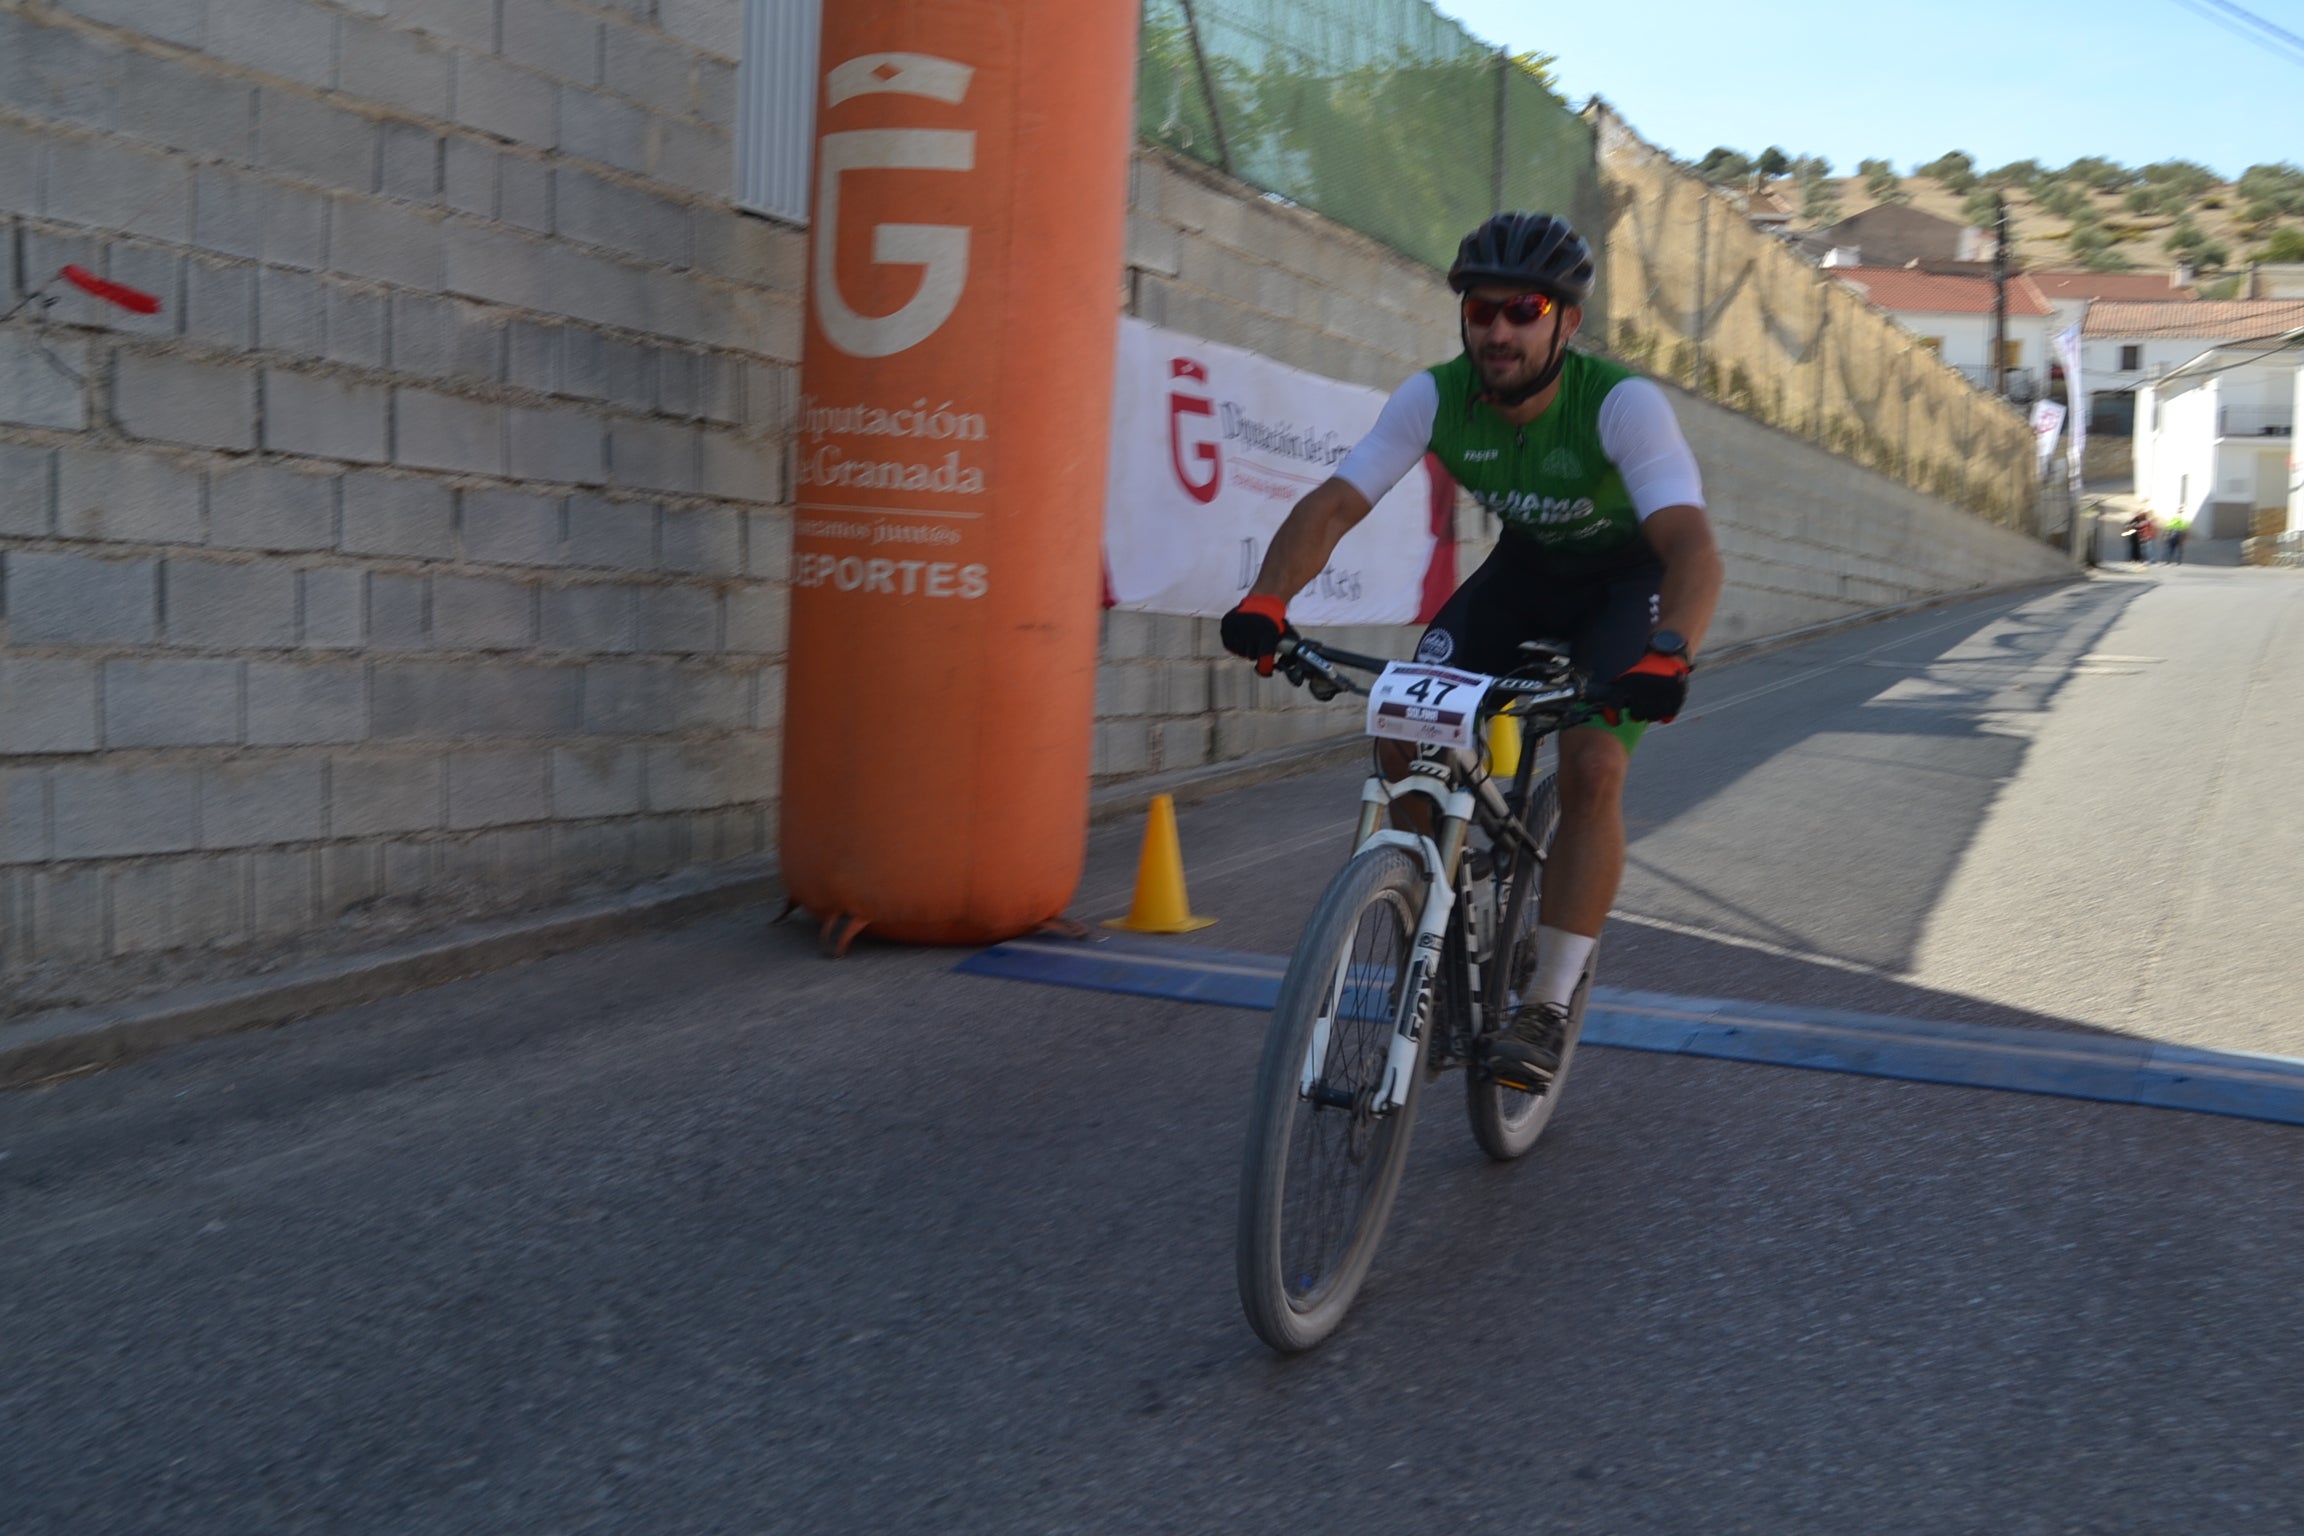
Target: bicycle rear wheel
{"x":1322,"y":1166}
{"x":1507,"y":1121}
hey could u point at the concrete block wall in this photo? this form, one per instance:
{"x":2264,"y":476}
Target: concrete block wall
{"x":424,"y":556}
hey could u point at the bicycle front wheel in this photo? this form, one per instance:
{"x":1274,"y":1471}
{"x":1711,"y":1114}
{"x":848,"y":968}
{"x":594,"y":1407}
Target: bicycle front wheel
{"x":1322,"y":1163}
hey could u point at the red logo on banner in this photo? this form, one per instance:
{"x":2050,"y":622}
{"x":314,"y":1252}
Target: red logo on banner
{"x":1204,"y":449}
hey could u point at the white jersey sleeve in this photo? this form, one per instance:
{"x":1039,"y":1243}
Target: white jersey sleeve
{"x":1642,"y":439}
{"x":1398,"y":442}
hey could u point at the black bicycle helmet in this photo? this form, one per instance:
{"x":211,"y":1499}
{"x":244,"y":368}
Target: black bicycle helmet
{"x":1534,"y":250}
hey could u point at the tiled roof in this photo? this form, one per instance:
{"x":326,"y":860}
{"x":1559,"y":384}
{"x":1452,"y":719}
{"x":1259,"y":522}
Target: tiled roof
{"x":2212,"y":319}
{"x":1908,"y":291}
{"x":2146,"y":286}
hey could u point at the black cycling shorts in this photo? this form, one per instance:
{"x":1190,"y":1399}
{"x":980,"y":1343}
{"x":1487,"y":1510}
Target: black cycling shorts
{"x":1604,"y":616}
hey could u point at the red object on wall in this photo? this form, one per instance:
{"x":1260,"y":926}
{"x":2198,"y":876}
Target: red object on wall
{"x":956,"y":401}
{"x":110,"y":292}
{"x":1440,"y":574}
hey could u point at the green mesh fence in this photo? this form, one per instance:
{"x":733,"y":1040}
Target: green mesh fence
{"x":1381,"y":114}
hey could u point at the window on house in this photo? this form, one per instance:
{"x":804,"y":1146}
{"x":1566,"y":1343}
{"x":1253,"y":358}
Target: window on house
{"x":776,"y":127}
{"x":2012,"y":354}
{"x":1934,"y":344}
{"x":2131,"y":359}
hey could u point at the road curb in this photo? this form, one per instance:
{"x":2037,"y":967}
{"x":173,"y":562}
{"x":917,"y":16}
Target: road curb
{"x":68,"y":1042}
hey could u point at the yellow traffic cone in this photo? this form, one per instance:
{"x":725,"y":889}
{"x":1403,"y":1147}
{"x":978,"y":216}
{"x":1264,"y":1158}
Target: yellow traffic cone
{"x":1160,"y":905}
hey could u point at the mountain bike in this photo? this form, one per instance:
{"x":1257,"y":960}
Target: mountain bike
{"x":1421,"y":944}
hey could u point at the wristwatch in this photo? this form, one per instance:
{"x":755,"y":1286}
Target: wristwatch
{"x":1669,"y":642}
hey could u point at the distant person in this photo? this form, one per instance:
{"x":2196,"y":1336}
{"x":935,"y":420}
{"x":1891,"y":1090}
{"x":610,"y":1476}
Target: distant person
{"x":2176,"y":531}
{"x":2136,"y":530}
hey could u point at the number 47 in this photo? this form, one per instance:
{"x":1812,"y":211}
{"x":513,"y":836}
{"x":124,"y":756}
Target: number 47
{"x":1422,"y":690}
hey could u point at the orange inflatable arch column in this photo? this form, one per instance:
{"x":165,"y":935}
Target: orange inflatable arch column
{"x":956,"y":386}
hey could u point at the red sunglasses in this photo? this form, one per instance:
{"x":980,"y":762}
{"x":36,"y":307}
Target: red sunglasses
{"x":1521,"y":309}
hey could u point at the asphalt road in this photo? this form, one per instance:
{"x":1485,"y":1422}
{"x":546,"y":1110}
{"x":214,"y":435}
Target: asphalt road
{"x":700,"y":1233}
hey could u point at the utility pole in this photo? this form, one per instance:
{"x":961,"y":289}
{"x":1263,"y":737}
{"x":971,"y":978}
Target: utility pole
{"x":2000,"y":294}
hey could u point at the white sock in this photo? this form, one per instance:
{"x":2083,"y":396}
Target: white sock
{"x":1560,"y":957}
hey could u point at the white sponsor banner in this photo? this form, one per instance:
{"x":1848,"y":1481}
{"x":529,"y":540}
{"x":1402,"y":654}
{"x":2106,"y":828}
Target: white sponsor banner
{"x":2047,"y":421}
{"x":2076,"y":392}
{"x":1211,"y":445}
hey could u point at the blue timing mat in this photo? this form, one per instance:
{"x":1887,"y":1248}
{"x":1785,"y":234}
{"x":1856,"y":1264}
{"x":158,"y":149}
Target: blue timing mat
{"x":2114,"y":1069}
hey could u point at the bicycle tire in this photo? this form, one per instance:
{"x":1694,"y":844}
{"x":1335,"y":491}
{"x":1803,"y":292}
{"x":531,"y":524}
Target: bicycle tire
{"x":1507,"y":1122}
{"x":1318,"y":1180}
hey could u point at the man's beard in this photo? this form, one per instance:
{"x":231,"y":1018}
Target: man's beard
{"x":1503,"y":373}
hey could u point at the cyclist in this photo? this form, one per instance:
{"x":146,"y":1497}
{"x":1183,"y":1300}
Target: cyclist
{"x":1604,"y":544}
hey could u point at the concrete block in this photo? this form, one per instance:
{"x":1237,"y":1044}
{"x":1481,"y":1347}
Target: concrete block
{"x":182,"y":904}
{"x":399,"y":612}
{"x":294,"y":704}
{"x":27,"y":490}
{"x":157,"y":272}
{"x":333,"y":604}
{"x":468,"y":176}
{"x":326,"y":417}
{"x":351,"y":875}
{"x":69,"y":915}
{"x":180,"y":400}
{"x":477,"y":613}
{"x":613,"y":535}
{"x":768,"y":545}
{"x":388,"y":515}
{"x":510,"y":528}
{"x":268,"y":507}
{"x":220,"y":305}
{"x":695,"y":776}
{"x":381,"y":63}
{"x":679,"y":382}
{"x":679,"y":621}
{"x":387,"y":242}
{"x":239,"y":214}
{"x":751,"y":251}
{"x":714,"y":95}
{"x":24,"y":818}
{"x":768,"y":699}
{"x":47,"y":706}
{"x":524,"y":193}
{"x":299,"y":138}
{"x":496,"y":98}
{"x":552,"y":39}
{"x":250,"y":804}
{"x":108,"y":812}
{"x":466,"y":23}
{"x":708,"y":25}
{"x":436,"y":431}
{"x":140,"y":498}
{"x":229,"y":607}
{"x":598,"y":780}
{"x":107,"y":184}
{"x":653,"y":456}
{"x":605,"y":368}
{"x":719,"y":387}
{"x":559,"y":444}
{"x":647,"y":67}
{"x":358,"y":331}
{"x":703,"y":541}
{"x":288,"y":38}
{"x":373,"y":794}
{"x":171,"y":703}
{"x":593,"y":619}
{"x":54,"y":599}
{"x":495,"y":788}
{"x":742,"y":468}
{"x":291,"y":313}
{"x":445,"y":338}
{"x":447,"y":701}
{"x":1184,"y":743}
{"x":409,"y":869}
{"x":41,"y":386}
{"x":759,"y":619}
{"x":600,"y":128}
{"x":187,"y":25}
{"x":599,"y":212}
{"x":533,"y":356}
{"x":408,"y":163}
{"x":283,"y":890}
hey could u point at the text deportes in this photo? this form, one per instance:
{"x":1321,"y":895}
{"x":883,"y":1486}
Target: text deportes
{"x":895,"y":578}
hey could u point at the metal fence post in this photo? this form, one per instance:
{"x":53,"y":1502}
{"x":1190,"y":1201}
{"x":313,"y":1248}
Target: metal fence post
{"x":1207,"y":88}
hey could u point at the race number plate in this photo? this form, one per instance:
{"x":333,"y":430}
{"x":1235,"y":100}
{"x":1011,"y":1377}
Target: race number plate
{"x":1415,"y":702}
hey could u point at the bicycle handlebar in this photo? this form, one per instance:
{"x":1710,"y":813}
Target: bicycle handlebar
{"x":1309,"y":664}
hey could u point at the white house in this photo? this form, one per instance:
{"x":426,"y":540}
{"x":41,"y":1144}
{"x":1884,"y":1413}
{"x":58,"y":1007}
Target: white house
{"x":2215,"y":438}
{"x":1952,"y":315}
{"x":2126,"y":344}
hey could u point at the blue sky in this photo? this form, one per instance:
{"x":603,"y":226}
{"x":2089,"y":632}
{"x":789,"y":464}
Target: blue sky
{"x":2135,"y":80}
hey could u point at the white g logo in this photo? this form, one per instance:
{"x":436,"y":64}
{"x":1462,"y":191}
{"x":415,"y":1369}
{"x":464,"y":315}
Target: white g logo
{"x":939,"y":250}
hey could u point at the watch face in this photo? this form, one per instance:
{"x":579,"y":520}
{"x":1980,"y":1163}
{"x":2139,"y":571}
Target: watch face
{"x":1668,"y":642}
